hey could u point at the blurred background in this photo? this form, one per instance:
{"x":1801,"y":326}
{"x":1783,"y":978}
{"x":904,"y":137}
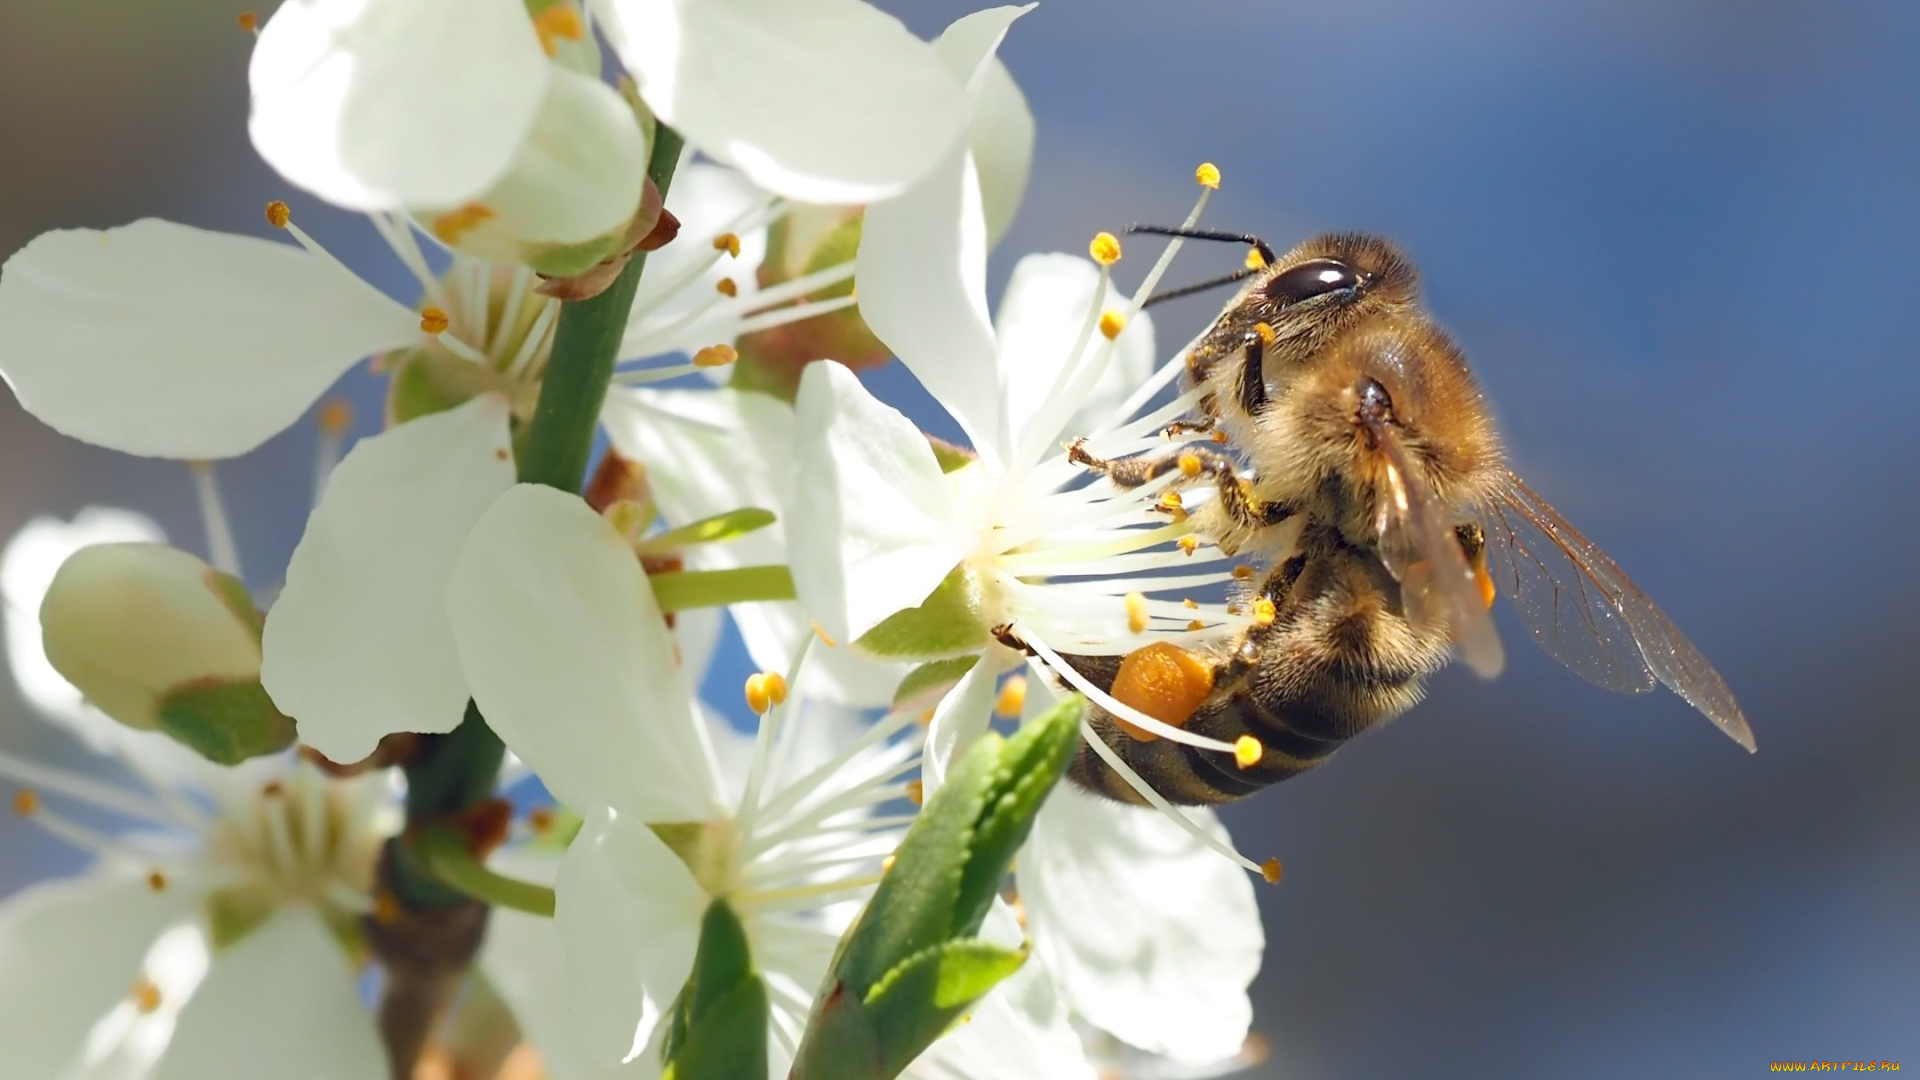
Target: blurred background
{"x":1678,"y":240}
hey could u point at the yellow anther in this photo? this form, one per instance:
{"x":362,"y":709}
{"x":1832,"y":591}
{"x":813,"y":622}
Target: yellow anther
{"x":1242,"y":572}
{"x":1136,"y":612}
{"x":776,"y":687}
{"x":1271,"y":871}
{"x":453,"y":226}
{"x":559,"y":22}
{"x":272,"y":789}
{"x":26,"y":801}
{"x":916,"y":792}
{"x":146,"y":997}
{"x":1263,"y":612}
{"x":1265,"y":332}
{"x":1189,"y":465}
{"x":1207,"y":175}
{"x":386,"y":908}
{"x":433,"y":321}
{"x":1219,"y":436}
{"x":757,"y":697}
{"x":716,"y":356}
{"x":728,"y":243}
{"x":1196,"y":625}
{"x":1012,"y":697}
{"x":821,"y":632}
{"x":627,"y":517}
{"x":541,"y":819}
{"x":726,"y":287}
{"x":157,"y":881}
{"x":1247,"y":751}
{"x":1189,"y":543}
{"x":1190,"y":603}
{"x":249,"y":22}
{"x":1111,"y":323}
{"x":1105,"y":248}
{"x":1233,"y":609}
{"x":1254,"y":260}
{"x":278,"y":214}
{"x":336,"y":416}
{"x":924,"y":718}
{"x":1172,"y":501}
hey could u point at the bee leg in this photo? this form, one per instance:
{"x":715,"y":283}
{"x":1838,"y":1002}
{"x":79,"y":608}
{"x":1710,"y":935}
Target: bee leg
{"x":1204,"y":426}
{"x":1253,"y":374}
{"x":1236,"y":495}
{"x":1004,"y":635}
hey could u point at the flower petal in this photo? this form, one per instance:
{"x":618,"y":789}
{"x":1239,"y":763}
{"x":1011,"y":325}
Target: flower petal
{"x":961,"y":716}
{"x":570,"y":660}
{"x":711,"y":451}
{"x":844,"y":106}
{"x":380,"y":104}
{"x":1047,"y":305}
{"x":71,"y":950}
{"x":358,"y":645}
{"x":160,"y":339}
{"x":283,"y":994}
{"x":1167,"y":969}
{"x":629,"y":921}
{"x":1001,"y":131}
{"x":871,"y":520}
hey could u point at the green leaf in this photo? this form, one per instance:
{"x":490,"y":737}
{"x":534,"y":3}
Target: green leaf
{"x":1030,"y":764}
{"x":911,"y":1006}
{"x":225,"y":722}
{"x":714,"y":530}
{"x":719,"y":1022}
{"x":925,"y":685}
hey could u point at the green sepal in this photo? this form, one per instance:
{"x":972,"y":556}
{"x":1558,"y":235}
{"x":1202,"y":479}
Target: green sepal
{"x":717,"y":529}
{"x":431,"y":380}
{"x":945,"y":624}
{"x":234,"y":913}
{"x":225,"y":721}
{"x":717,"y":1029}
{"x":233,"y":595}
{"x":925,"y":685}
{"x":566,"y":260}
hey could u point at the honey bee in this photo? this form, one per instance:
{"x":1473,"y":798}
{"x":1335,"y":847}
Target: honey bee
{"x":1376,"y":494}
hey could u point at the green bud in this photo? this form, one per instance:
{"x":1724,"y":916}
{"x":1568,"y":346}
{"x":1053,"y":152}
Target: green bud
{"x":159,"y":640}
{"x":911,"y":965}
{"x":717,"y":1028}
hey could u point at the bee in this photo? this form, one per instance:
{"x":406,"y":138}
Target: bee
{"x":1376,"y":494}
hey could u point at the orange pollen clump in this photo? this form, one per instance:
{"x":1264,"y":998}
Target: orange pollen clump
{"x":1219,"y":436}
{"x":336,"y":416}
{"x":1242,"y":572}
{"x":1483,"y":579}
{"x":278,"y":214}
{"x":1189,"y":465}
{"x":726,"y":287}
{"x":557,"y":23}
{"x":728,"y":243}
{"x":1271,"y":871}
{"x":157,"y":881}
{"x":1207,"y":175}
{"x":146,"y":996}
{"x":1265,"y":332}
{"x":1263,"y":612}
{"x":1012,"y":697}
{"x":916,"y":792}
{"x":26,"y":801}
{"x":1188,"y":543}
{"x":452,"y":226}
{"x":715,"y":356}
{"x":1164,"y":681}
{"x":1136,"y":612}
{"x":249,"y":22}
{"x":433,"y":321}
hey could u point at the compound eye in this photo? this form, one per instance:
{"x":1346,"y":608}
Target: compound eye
{"x":1315,"y":277}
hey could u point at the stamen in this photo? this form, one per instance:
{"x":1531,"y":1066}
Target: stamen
{"x":1196,"y":625}
{"x":1119,"y":709}
{"x":1105,"y":248}
{"x":453,"y":226}
{"x":916,"y":794}
{"x":1247,"y":751}
{"x":715,"y":356}
{"x":1012,"y":698}
{"x":433,"y":321}
{"x":104,"y":796}
{"x":727,"y":242}
{"x":1207,"y":175}
{"x":1190,"y":465}
{"x":157,"y":881}
{"x":213,"y":515}
{"x":557,"y":23}
{"x":758,"y":699}
{"x":278,"y":214}
{"x":249,"y":22}
{"x":1263,"y":612}
{"x":26,"y":801}
{"x":1264,"y":331}
{"x":1111,"y":323}
{"x":821,"y":632}
{"x":629,"y":519}
{"x":727,"y":288}
{"x":765,"y":692}
{"x":1271,"y":871}
{"x":1158,"y":801}
{"x":1188,"y":543}
{"x":1242,"y":572}
{"x":1136,"y":612}
{"x":146,"y":997}
{"x":335,"y":420}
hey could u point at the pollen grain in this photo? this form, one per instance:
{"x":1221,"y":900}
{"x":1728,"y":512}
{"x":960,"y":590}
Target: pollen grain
{"x":278,"y":214}
{"x":1207,"y":175}
{"x":1105,"y":248}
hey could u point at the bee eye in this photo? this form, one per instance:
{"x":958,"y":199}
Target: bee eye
{"x":1315,"y":277}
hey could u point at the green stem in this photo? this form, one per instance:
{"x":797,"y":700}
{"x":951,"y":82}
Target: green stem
{"x":680,"y":590}
{"x":444,"y":852}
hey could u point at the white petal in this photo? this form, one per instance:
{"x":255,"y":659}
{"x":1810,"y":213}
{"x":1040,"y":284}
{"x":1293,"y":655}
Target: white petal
{"x":629,"y":920}
{"x":570,"y":660}
{"x":844,"y":104}
{"x":1001,"y":131}
{"x":71,"y":950}
{"x":523,"y":960}
{"x":283,"y":998}
{"x":375,"y":104}
{"x":358,"y":645}
{"x":1019,"y":1031}
{"x":922,"y":274}
{"x":1048,"y":302}
{"x":961,"y":716}
{"x":27,"y":567}
{"x":1152,"y":936}
{"x":870,"y":518}
{"x":160,"y":339}
{"x":711,"y":451}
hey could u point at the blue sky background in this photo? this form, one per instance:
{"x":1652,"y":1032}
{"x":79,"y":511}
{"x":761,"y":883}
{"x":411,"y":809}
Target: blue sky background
{"x":1678,"y":240}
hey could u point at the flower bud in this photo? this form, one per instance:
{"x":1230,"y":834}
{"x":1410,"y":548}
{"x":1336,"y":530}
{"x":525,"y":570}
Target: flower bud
{"x":570,"y":195}
{"x":158,"y":639}
{"x":807,"y":239}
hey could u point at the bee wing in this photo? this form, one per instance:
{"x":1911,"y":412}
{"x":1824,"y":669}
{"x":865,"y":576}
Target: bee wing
{"x":1422,"y":552}
{"x":1587,"y":614}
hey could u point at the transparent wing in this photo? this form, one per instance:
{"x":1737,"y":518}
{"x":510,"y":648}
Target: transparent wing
{"x":1587,"y":614}
{"x":1422,"y":552}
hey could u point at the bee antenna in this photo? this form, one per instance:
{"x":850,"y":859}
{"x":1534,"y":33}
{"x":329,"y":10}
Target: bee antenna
{"x":1259,"y":245}
{"x":1200,"y":286}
